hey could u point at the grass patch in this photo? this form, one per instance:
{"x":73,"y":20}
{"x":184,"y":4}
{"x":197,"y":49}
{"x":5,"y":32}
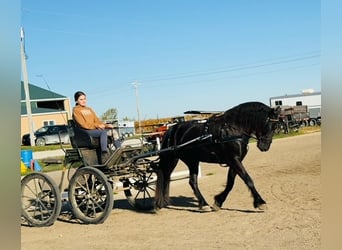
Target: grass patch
{"x":301,"y":131}
{"x":45,"y":148}
{"x":51,"y":167}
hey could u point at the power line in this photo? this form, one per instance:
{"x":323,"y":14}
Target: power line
{"x":223,"y":70}
{"x":234,"y":77}
{"x":232,"y":68}
{"x":46,"y":83}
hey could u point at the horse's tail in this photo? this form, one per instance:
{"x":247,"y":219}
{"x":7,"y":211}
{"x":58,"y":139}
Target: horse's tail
{"x":159,"y":192}
{"x":162,"y":192}
{"x":167,"y":163}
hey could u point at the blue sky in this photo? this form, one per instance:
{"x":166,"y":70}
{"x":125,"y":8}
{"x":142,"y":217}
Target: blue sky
{"x":185,"y":55}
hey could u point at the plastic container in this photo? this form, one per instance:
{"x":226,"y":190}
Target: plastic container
{"x":26,"y":157}
{"x":23,"y":168}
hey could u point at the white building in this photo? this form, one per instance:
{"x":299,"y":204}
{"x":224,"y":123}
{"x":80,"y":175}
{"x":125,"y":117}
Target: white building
{"x":308,"y":97}
{"x":126,"y":128}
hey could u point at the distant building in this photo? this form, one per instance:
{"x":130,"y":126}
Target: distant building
{"x":308,"y":97}
{"x":124,"y":128}
{"x":47,"y":108}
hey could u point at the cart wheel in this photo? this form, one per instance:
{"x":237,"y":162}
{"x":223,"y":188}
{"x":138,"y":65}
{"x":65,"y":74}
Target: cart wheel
{"x":90,"y":195}
{"x":140,"y":189}
{"x":41,"y":201}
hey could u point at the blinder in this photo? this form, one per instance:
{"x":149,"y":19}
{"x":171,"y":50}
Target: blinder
{"x":270,"y":125}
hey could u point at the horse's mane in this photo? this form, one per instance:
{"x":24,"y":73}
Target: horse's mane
{"x":248,"y":116}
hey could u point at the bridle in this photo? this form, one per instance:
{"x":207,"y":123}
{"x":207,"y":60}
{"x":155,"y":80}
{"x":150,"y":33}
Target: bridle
{"x":272,"y":120}
{"x":267,"y":123}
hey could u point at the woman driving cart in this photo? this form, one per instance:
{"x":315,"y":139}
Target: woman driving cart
{"x":86,"y":118}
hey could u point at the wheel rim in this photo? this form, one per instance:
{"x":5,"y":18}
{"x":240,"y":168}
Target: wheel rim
{"x":140,"y":190}
{"x":90,"y":195}
{"x":40,"y":142}
{"x":40,"y":199}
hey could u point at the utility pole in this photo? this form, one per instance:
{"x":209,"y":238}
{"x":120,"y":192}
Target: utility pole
{"x":135,"y":85}
{"x":26,"y":88}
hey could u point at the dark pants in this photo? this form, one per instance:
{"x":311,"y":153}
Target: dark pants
{"x":117,"y":143}
{"x":100,"y":133}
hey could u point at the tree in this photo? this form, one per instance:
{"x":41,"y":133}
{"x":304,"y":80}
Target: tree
{"x":128,"y":119}
{"x":110,"y":114}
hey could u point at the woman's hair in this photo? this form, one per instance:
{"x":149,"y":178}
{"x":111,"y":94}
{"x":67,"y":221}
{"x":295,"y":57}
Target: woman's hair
{"x":78,"y":94}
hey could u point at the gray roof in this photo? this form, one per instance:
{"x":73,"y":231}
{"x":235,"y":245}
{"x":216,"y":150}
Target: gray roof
{"x":295,"y":95}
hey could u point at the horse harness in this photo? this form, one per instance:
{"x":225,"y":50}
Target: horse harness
{"x":224,"y":136}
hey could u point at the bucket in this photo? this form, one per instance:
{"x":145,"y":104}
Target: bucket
{"x":23,"y":168}
{"x":26,"y":157}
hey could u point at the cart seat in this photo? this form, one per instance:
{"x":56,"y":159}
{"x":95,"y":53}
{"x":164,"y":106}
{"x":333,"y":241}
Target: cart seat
{"x":80,"y":138}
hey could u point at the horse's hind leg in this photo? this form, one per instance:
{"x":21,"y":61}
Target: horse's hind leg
{"x":193,"y":169}
{"x":221,"y":197}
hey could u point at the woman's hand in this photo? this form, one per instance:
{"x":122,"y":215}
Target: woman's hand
{"x":109,"y":126}
{"x":101,"y":126}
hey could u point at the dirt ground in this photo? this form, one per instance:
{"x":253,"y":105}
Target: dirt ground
{"x":287,"y":177}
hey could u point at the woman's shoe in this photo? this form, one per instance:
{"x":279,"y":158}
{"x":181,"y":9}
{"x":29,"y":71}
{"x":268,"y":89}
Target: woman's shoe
{"x":104,"y":157}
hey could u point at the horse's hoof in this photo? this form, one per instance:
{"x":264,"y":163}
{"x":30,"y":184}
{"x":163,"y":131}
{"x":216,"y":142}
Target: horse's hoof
{"x":205,"y":209}
{"x":262,"y":207}
{"x":216,"y":207}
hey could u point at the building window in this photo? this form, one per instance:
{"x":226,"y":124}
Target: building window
{"x":299,"y":103}
{"x":278,"y":103}
{"x":48,"y":123}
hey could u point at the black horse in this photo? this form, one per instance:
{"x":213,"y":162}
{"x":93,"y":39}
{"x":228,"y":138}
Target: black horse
{"x":229,"y":134}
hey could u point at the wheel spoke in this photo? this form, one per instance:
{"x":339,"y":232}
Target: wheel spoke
{"x":90,"y":195}
{"x":141,"y":187}
{"x":40,"y":198}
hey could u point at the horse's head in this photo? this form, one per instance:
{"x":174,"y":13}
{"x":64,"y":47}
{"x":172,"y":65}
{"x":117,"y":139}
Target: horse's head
{"x":265,"y":135}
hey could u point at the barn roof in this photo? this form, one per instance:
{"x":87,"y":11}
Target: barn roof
{"x":38,"y":93}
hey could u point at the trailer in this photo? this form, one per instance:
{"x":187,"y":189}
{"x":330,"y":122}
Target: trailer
{"x":302,"y":109}
{"x":308,"y":98}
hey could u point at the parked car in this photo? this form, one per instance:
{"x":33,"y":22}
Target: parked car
{"x":52,"y":134}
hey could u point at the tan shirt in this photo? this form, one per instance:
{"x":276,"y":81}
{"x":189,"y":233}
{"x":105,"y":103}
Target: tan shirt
{"x":85,"y":117}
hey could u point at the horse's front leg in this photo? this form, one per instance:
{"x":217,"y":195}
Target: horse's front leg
{"x":241,"y":171}
{"x":203,"y":205}
{"x":221,"y":197}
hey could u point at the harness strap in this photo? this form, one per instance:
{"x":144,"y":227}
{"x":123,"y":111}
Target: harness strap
{"x":225,"y":139}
